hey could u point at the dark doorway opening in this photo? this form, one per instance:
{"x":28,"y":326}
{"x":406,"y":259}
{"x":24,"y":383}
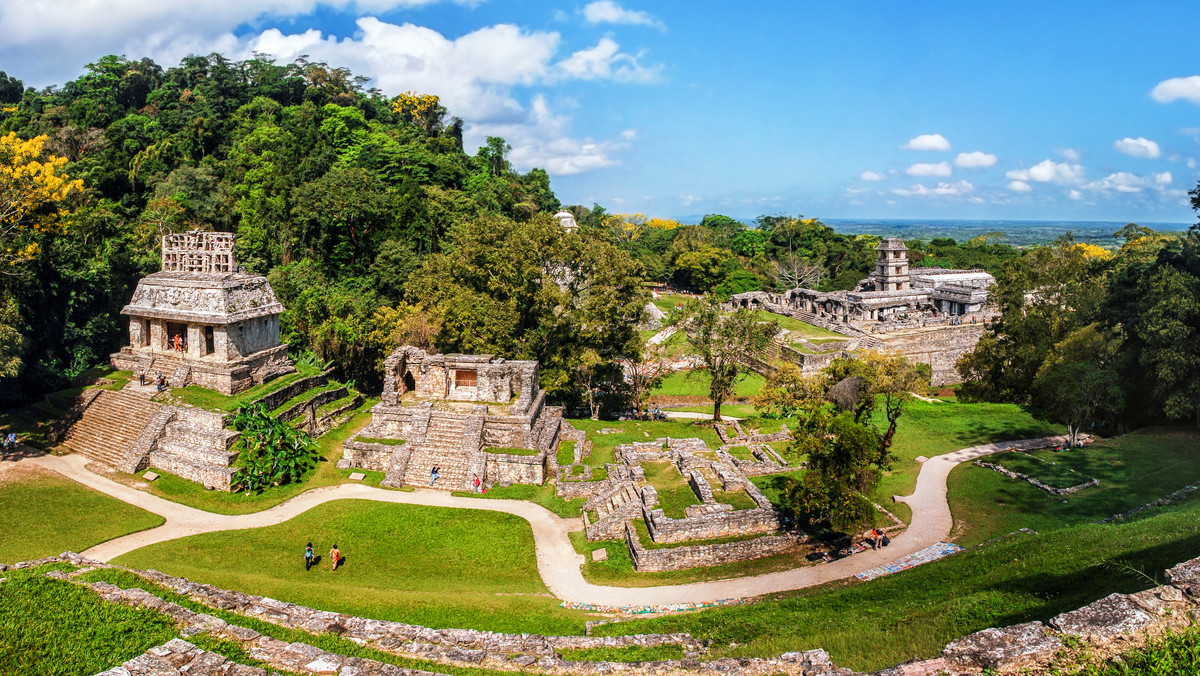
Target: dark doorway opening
{"x":209,"y":342}
{"x":409,"y":383}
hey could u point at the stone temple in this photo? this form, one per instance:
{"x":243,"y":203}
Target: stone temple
{"x":470,"y":415}
{"x":202,"y":320}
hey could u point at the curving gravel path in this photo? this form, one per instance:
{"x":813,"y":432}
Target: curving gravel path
{"x":558,"y":563}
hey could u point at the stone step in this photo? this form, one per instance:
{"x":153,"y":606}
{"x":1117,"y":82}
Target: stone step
{"x":211,"y":476}
{"x":109,"y":426}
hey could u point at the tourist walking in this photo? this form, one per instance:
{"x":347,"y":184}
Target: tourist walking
{"x":10,"y":442}
{"x":433,"y":474}
{"x":141,"y":374}
{"x":477,"y":482}
{"x":308,"y":556}
{"x":335,"y":555}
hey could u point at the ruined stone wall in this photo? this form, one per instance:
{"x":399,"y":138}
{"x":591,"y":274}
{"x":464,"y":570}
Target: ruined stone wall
{"x":391,"y":422}
{"x":273,"y":400}
{"x":507,"y":431}
{"x":680,"y":558}
{"x":375,"y":457}
{"x":940,"y":349}
{"x":710,"y":526}
{"x":517,"y":469}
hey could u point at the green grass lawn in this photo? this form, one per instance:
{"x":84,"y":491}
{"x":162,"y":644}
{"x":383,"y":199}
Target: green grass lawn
{"x":618,"y":570}
{"x":805,"y":329}
{"x":1133,"y":469}
{"x":727,"y":410}
{"x":1047,"y":466}
{"x":868,"y":626}
{"x":325,"y":473}
{"x":45,"y":514}
{"x":603,"y":445}
{"x":427,"y":565}
{"x":675,"y":494}
{"x":200,"y":397}
{"x":541,"y":495}
{"x":695,"y":384}
{"x":931,"y":429}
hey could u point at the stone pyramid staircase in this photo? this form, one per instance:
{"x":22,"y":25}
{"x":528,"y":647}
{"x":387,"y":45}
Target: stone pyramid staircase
{"x":196,"y":446}
{"x":109,"y":426}
{"x":444,"y":447}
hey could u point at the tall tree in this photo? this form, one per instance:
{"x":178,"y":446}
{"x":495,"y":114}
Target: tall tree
{"x":725,"y":344}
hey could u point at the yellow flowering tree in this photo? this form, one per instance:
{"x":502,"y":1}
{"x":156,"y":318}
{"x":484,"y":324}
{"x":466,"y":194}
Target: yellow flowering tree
{"x":628,"y":227}
{"x":33,"y":189}
{"x":424,"y":110}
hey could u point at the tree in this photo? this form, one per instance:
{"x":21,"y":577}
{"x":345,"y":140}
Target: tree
{"x":843,"y":466}
{"x":33,"y":190}
{"x":794,"y":272}
{"x":644,"y":370}
{"x":725,"y":343}
{"x":1074,"y":392}
{"x":529,"y":290}
{"x":788,"y":393}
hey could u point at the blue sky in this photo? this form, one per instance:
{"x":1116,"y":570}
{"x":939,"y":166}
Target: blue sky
{"x":1014,"y":110}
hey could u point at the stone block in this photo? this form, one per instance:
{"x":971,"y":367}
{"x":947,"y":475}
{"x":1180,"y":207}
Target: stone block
{"x":1185,"y":574}
{"x":150,"y":476}
{"x":599,"y":554}
{"x":357,"y":476}
{"x":1012,"y":647}
{"x":1113,"y":616}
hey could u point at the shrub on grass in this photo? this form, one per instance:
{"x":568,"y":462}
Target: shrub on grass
{"x":275,"y":453}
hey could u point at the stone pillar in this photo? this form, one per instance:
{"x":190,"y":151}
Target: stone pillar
{"x":195,"y":341}
{"x":158,"y":335}
{"x":221,"y":343}
{"x":136,"y":337}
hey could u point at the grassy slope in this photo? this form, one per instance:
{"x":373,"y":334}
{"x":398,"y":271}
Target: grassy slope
{"x":45,"y":514}
{"x":695,"y":384}
{"x":803,"y":328}
{"x":1133,"y":469}
{"x":431,"y":566}
{"x":911,"y":614}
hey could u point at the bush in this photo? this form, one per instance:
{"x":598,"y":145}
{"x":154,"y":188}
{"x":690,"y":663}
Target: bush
{"x":274,"y":452}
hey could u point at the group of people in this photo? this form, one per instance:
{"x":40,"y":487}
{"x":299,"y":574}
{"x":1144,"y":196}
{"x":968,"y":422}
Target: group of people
{"x":335,"y":555}
{"x":160,"y":382}
{"x":10,"y":442}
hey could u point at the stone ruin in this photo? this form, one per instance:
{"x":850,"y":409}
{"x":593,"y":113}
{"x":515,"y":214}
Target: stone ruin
{"x":202,"y":320}
{"x":625,"y":497}
{"x":460,"y":413}
{"x":930,"y":315}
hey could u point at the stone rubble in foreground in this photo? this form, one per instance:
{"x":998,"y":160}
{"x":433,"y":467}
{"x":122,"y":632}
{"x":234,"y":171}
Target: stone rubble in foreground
{"x":1108,"y":626}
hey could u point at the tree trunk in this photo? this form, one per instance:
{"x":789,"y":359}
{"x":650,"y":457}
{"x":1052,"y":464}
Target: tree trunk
{"x":717,"y":411}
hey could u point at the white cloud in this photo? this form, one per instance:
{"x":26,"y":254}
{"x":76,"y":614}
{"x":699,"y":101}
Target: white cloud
{"x":941,"y":169}
{"x":605,"y":61}
{"x":1048,"y":171}
{"x":940,"y":190}
{"x":629,"y":134}
{"x":1075,"y":195}
{"x":544,"y":141}
{"x":1177,"y":88}
{"x":606,"y":11}
{"x":1070,"y":154}
{"x":872,"y":176}
{"x":1137,"y":147}
{"x":975,"y":160}
{"x":927,"y":142}
{"x":1019,"y":186}
{"x":1125,"y":182}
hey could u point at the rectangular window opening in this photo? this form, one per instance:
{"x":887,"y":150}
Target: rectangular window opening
{"x":463,"y":378}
